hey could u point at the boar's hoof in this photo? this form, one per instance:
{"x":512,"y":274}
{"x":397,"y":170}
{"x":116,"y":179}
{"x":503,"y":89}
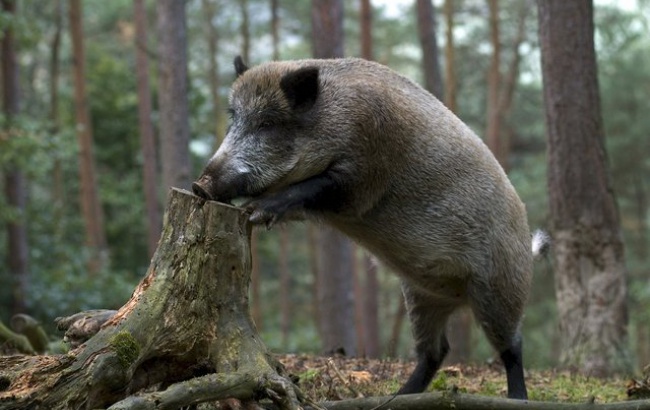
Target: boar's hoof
{"x":199,"y":190}
{"x":265,"y":212}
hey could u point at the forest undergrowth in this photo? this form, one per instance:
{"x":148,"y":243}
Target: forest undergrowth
{"x":338,"y":377}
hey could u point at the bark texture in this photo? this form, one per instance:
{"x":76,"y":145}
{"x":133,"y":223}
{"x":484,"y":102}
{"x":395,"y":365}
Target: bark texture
{"x":426,"y":15}
{"x":15,"y":183}
{"x":147,"y":138}
{"x":91,"y":209}
{"x":172,"y":94}
{"x":590,"y":285}
{"x":335,"y":284}
{"x":187,"y":321}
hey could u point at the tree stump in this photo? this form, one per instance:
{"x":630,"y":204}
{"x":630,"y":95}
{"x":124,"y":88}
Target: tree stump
{"x":185,"y":335}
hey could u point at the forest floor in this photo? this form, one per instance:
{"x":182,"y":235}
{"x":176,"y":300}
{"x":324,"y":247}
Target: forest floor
{"x":336,"y":378}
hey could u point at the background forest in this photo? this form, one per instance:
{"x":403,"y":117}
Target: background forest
{"x":60,"y":276}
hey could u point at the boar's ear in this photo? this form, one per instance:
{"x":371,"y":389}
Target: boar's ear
{"x":240,"y":66}
{"x":301,"y":87}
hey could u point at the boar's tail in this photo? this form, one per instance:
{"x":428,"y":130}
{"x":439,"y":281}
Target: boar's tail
{"x":540,"y":243}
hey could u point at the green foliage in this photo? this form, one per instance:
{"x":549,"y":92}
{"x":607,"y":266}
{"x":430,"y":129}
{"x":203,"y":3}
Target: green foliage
{"x":439,"y":382}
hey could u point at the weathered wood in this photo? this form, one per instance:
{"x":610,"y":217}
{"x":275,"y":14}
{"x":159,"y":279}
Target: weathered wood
{"x":83,"y":325}
{"x":458,"y":401}
{"x":188,"y":317}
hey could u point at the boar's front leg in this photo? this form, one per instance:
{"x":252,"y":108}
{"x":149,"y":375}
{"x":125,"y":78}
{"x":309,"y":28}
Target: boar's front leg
{"x":316,"y":194}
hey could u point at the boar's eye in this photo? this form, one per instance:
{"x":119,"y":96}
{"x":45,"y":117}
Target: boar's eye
{"x":264,"y":125}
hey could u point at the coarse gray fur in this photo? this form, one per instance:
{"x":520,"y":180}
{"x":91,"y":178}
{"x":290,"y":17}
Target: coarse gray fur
{"x":355,"y":145}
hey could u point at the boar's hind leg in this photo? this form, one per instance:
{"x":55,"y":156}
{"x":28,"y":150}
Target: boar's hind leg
{"x":428,"y":321}
{"x":500,"y":317}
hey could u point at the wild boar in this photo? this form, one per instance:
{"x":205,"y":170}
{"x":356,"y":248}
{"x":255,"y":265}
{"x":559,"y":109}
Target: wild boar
{"x":355,"y":145}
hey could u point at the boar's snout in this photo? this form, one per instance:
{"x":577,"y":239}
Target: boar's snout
{"x":200,"y":188}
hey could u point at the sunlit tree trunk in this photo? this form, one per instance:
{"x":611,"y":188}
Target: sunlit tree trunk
{"x":172,"y":94}
{"x":426,"y":15}
{"x":15,"y":184}
{"x":336,"y":281}
{"x":590,"y":278}
{"x":147,"y":139}
{"x":90,"y":205}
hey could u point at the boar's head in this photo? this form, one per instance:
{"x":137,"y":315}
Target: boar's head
{"x":271,"y":141}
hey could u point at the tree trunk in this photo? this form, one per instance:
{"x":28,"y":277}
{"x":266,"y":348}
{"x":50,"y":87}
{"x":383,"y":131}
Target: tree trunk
{"x":366,"y":30}
{"x":327,"y":28}
{"x":591,"y":276}
{"x":244,"y":29}
{"x":358,"y":295}
{"x":336,"y":280}
{"x":172,"y":94}
{"x":493,"y":127}
{"x":285,"y":286}
{"x":371,"y":308}
{"x":396,"y":330}
{"x":459,"y":327}
{"x":58,"y":189}
{"x":90,"y":205}
{"x":335,"y":292}
{"x":147,"y":139}
{"x":430,"y":53}
{"x":450,"y":70}
{"x":370,"y":304}
{"x":509,"y":83}
{"x":275,"y":29}
{"x":187,"y":320}
{"x":212,"y":39}
{"x":15,"y":184}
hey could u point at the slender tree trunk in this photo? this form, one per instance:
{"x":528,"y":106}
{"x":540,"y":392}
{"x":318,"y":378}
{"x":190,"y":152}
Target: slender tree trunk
{"x":58,"y":189}
{"x":493,"y":127}
{"x":327,"y":28}
{"x":366,"y":30}
{"x":358,"y":289}
{"x":172,"y":94}
{"x":459,"y":327}
{"x":509,"y":83}
{"x":426,"y":14}
{"x":212,"y":40}
{"x":90,"y":204}
{"x":147,"y":139}
{"x":336,"y":292}
{"x":15,"y":184}
{"x":312,"y":239}
{"x":450,"y":69}
{"x":245,"y":31}
{"x":371,"y":308}
{"x":590,"y":278}
{"x":275,"y":29}
{"x":285,"y":286}
{"x":369,"y":301}
{"x":336,"y":304}
{"x":396,"y":331}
